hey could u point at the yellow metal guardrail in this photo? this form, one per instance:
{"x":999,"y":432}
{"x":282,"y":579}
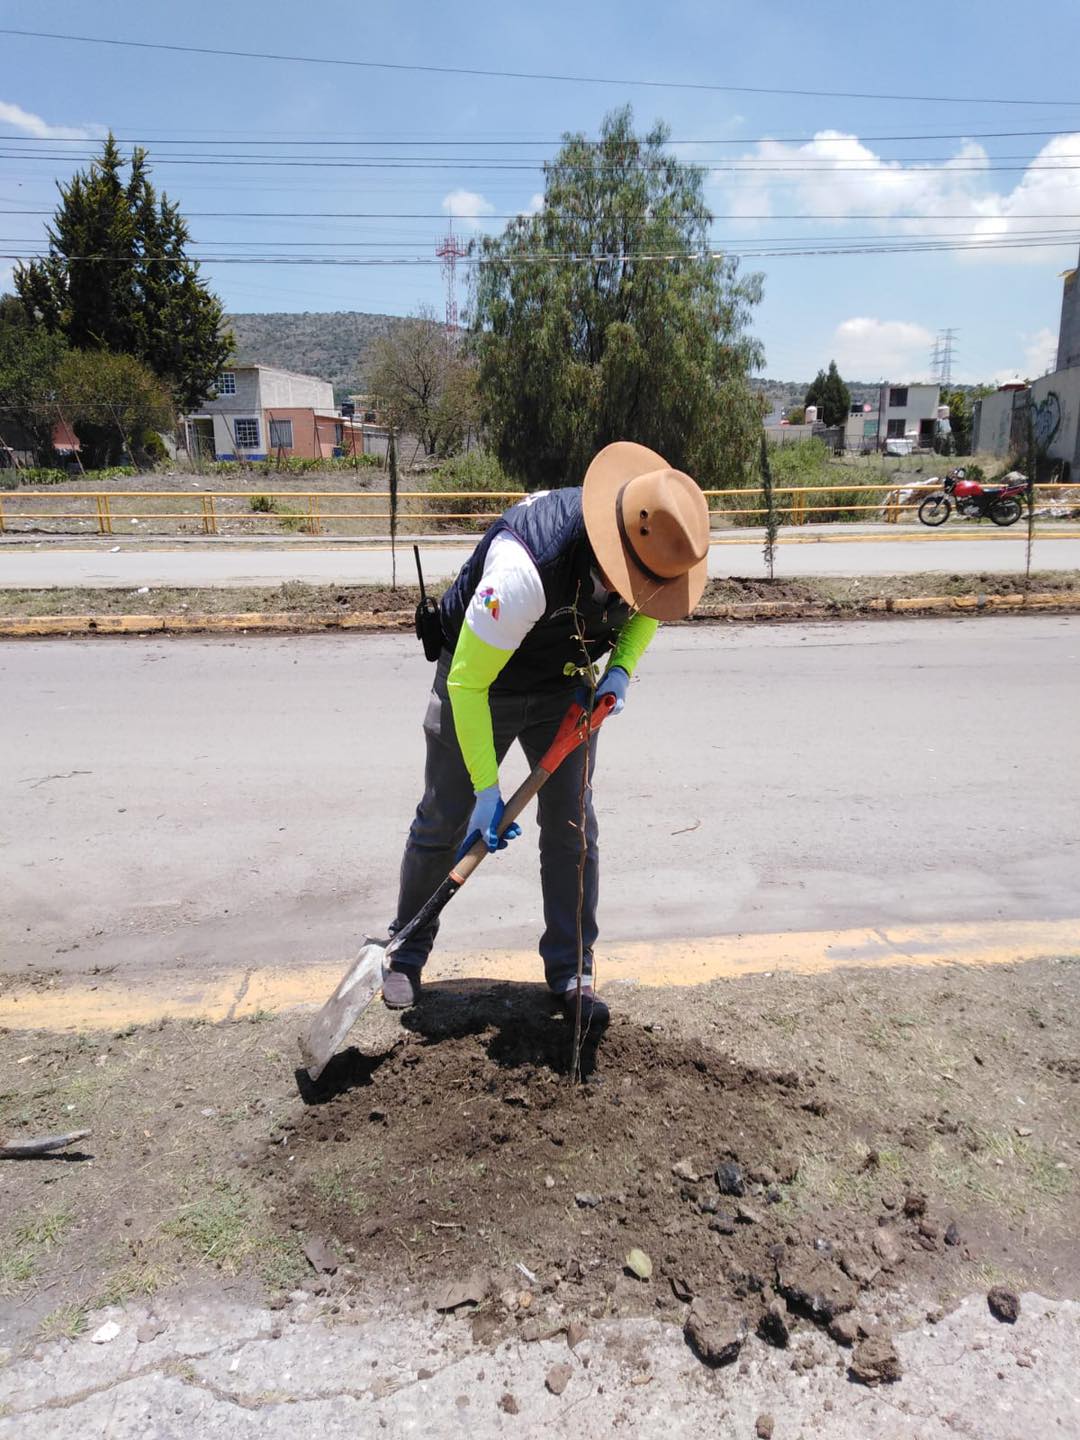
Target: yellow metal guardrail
{"x":105,"y":507}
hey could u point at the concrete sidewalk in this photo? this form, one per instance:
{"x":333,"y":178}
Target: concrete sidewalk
{"x":204,"y":1366}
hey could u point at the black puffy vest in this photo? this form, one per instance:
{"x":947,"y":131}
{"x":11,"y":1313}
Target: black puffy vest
{"x":551,"y":527}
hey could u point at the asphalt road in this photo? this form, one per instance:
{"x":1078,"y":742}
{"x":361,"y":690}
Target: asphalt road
{"x":26,"y":567}
{"x":214,"y":803}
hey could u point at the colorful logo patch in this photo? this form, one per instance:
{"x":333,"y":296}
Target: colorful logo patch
{"x":491,"y":601}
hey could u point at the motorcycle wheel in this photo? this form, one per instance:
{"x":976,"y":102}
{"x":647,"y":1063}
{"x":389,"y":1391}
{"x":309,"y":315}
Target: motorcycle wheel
{"x":1006,"y":512}
{"x":935,"y":510}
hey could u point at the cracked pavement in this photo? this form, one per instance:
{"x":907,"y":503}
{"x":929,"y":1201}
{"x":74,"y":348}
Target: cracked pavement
{"x":234,"y":1371}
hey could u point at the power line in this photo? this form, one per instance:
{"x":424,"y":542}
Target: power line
{"x":809,"y":216}
{"x":282,"y":139}
{"x":794,"y":165}
{"x":476,"y":73}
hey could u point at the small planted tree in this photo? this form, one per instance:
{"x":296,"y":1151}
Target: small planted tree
{"x":115,"y":404}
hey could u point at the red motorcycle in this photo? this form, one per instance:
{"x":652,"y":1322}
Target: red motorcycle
{"x":1003,"y":504}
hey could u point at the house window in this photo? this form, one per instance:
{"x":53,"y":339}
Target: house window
{"x":226,"y":383}
{"x":898,"y":398}
{"x":247,"y":434}
{"x":895,"y":430}
{"x":926,"y":432}
{"x":281,"y":435}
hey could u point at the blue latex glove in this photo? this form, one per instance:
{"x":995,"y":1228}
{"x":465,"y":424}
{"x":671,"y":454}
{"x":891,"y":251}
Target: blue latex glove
{"x":484,"y":822}
{"x":616,"y":682}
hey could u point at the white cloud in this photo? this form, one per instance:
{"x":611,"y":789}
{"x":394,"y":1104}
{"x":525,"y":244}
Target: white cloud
{"x":34,"y":125}
{"x":7,"y":278}
{"x":1040,"y":352}
{"x":535,"y":205}
{"x":866,"y":348}
{"x":835,"y":173}
{"x":467,"y":205}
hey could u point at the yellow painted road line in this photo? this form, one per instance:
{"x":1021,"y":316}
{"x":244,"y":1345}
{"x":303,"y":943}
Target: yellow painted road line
{"x":76,"y":1006}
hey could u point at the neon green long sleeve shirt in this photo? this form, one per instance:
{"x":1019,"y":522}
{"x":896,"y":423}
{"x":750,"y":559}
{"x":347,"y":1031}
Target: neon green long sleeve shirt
{"x":475,"y":667}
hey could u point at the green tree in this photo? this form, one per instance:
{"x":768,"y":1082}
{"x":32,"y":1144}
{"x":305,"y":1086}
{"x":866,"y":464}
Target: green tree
{"x":961,"y":415}
{"x":605,"y":316}
{"x":797,"y":415}
{"x":29,"y":357}
{"x":832,"y":397}
{"x":118,"y":278}
{"x":116,"y":404}
{"x":423,"y":383}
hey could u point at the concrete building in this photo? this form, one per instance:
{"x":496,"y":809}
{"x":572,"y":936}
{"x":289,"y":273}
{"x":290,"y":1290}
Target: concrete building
{"x":908,"y":413}
{"x":1000,"y":421}
{"x":259,"y":412}
{"x":1068,"y":354}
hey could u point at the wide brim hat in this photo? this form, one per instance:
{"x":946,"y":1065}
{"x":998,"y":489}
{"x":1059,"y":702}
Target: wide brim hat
{"x":648,"y":526}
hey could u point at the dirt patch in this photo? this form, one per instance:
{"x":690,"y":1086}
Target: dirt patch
{"x":666,"y":1177}
{"x":328,"y":602}
{"x":918,"y":1124}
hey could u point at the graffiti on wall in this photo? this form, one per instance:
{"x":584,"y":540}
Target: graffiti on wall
{"x":1047,"y":420}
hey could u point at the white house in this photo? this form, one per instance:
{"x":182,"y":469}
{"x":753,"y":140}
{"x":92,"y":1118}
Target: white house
{"x":259,"y":412}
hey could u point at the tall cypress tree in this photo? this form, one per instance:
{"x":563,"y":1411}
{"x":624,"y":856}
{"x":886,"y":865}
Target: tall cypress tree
{"x":118,"y":278}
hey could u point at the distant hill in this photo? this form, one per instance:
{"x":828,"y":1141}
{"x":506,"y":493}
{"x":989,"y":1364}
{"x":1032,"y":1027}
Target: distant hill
{"x":330,"y":344}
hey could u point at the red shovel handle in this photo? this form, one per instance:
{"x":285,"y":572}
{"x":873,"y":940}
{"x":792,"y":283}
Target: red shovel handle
{"x":577,"y":724}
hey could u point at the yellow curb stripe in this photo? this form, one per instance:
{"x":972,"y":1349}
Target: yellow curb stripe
{"x":76,"y":1006}
{"x":39,"y":626}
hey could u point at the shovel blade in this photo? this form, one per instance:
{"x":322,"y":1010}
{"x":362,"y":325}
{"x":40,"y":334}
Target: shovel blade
{"x":355,"y":992}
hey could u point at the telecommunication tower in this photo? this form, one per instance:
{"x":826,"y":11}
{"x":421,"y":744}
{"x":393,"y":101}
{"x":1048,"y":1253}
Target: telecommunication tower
{"x":450,"y":250}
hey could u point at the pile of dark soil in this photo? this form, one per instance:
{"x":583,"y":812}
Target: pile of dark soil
{"x":466,"y":1156}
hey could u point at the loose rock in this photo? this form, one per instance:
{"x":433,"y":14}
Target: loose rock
{"x":730,"y":1178}
{"x":875,"y":1361}
{"x":576,"y":1332}
{"x":586,"y":1200}
{"x":509,"y":1404}
{"x":104,"y":1333}
{"x":460,"y":1292}
{"x":952,"y":1233}
{"x":763,"y":1427}
{"x":887,"y":1244}
{"x":1004,"y":1304}
{"x":685,"y":1171}
{"x":714,"y":1332}
{"x":149,"y":1330}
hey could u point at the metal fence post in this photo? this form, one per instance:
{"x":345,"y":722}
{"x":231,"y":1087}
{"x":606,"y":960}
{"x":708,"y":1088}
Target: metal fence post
{"x":1,"y":517}
{"x":209,"y":521}
{"x":313,"y":515}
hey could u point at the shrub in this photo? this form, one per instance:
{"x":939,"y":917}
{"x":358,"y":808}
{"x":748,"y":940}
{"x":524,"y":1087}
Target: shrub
{"x":153,"y":448}
{"x":476,"y":470}
{"x":263,"y":504}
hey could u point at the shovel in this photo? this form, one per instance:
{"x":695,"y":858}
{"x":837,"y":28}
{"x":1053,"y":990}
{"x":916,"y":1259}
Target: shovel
{"x":363,"y":979}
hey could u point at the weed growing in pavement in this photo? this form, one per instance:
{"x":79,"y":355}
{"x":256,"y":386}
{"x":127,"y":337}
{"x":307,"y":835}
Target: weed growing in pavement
{"x":64,"y":1323}
{"x":136,"y":1278}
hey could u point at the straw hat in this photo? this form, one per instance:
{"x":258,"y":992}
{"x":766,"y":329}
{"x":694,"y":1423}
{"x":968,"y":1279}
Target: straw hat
{"x":648,"y":526}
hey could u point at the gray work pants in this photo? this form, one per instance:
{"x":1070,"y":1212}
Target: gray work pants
{"x":442,"y":815}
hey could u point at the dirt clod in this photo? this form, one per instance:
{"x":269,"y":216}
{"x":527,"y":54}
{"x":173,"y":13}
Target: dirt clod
{"x":774,"y":1327}
{"x":875,"y":1360}
{"x":558,"y":1377}
{"x":1004,"y":1304}
{"x":763,"y":1427}
{"x":715,"y":1331}
{"x":320,"y":1256}
{"x":844,"y":1329}
{"x":952,"y":1233}
{"x":815,"y":1288}
{"x":508,"y":1404}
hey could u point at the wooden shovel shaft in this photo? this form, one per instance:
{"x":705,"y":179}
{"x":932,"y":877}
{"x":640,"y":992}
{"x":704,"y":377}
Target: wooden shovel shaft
{"x":577,"y":725}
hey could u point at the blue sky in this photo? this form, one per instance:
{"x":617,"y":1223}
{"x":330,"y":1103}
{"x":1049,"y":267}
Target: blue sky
{"x":790,"y":159}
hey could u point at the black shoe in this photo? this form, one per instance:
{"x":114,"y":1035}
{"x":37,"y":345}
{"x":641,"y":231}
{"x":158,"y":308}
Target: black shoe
{"x":594,"y":1013}
{"x":400,"y":986}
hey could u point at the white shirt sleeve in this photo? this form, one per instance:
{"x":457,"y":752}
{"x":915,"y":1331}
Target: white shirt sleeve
{"x":509,"y":599}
